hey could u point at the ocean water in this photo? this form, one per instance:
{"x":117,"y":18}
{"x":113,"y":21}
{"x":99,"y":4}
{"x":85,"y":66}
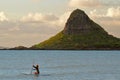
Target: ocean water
{"x":60,"y":65}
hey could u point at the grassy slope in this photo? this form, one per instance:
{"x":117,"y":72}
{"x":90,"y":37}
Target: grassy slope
{"x":92,"y":40}
{"x":95,"y":37}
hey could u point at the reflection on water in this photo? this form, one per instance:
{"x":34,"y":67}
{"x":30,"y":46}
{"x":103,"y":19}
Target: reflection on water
{"x":36,"y":77}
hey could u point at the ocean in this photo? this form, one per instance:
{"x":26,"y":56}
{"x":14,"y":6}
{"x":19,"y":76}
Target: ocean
{"x":60,"y":65}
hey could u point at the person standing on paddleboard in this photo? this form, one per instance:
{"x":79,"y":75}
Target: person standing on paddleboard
{"x":36,"y":68}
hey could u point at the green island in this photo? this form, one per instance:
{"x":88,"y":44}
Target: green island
{"x":80,"y":33}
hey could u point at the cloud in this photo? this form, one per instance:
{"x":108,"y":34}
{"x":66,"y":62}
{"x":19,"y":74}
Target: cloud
{"x":38,"y":17}
{"x":95,"y":14}
{"x":85,"y":3}
{"x":113,"y":12}
{"x":56,"y":22}
{"x":110,"y":3}
{"x":110,"y":20}
{"x":3,"y":17}
{"x":29,"y":29}
{"x":16,"y":28}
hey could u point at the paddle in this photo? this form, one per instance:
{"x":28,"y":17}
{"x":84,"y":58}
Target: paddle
{"x":32,"y":67}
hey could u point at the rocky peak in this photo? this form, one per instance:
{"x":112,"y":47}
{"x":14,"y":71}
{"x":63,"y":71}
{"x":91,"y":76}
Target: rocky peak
{"x":79,"y":22}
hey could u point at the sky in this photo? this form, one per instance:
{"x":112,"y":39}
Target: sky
{"x":28,"y":22}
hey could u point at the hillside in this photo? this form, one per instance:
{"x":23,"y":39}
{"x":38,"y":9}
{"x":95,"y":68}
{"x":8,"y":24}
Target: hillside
{"x":80,"y":32}
{"x":2,"y":48}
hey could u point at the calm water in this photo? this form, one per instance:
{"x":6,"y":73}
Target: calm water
{"x":60,"y":65}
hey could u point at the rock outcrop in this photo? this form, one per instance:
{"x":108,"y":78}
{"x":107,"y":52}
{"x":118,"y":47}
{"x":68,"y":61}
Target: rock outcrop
{"x":80,"y":33}
{"x":79,"y":22}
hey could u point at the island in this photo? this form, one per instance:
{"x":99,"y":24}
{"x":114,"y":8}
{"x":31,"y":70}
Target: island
{"x":79,"y":33}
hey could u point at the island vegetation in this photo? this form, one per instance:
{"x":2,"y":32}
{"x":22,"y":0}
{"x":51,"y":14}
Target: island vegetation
{"x":80,"y":33}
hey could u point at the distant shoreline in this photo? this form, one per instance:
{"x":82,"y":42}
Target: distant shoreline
{"x":67,"y":49}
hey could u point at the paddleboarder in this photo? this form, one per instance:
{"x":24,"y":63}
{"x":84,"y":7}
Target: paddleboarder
{"x":36,"y":68}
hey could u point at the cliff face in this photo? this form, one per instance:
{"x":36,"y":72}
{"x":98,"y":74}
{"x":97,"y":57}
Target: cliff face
{"x":79,"y":22}
{"x":80,"y":32}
